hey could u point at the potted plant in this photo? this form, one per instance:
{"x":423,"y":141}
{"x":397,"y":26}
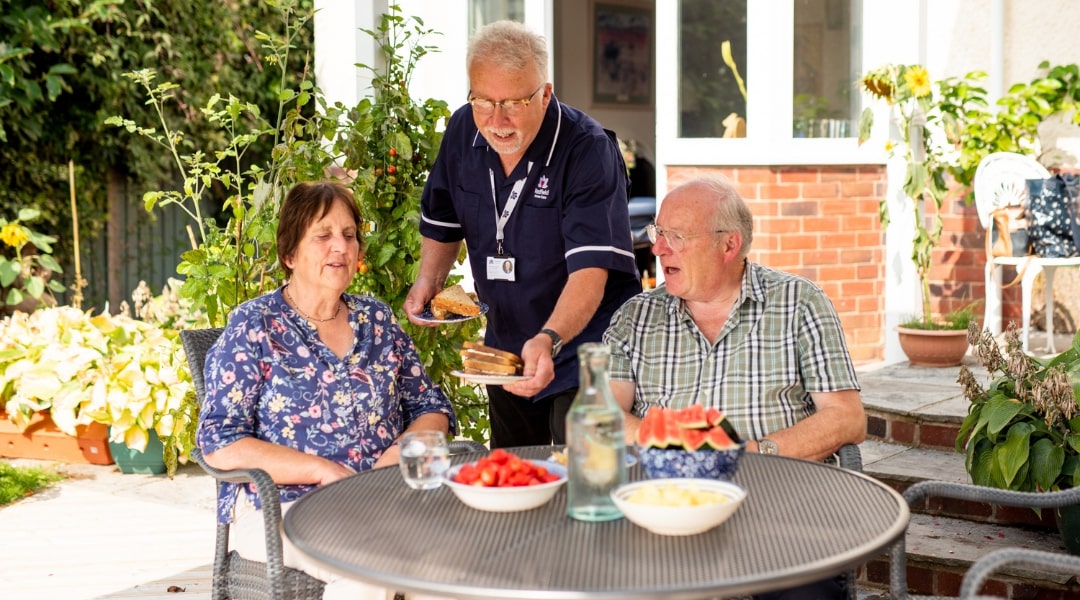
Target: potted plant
{"x":83,"y":368}
{"x":926,"y":127}
{"x":1022,"y":432}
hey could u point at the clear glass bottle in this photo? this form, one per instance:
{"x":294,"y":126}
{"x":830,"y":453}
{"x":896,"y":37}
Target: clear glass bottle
{"x":596,"y":447}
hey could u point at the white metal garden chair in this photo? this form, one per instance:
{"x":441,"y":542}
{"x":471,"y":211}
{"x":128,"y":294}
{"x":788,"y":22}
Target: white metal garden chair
{"x":1000,"y":180}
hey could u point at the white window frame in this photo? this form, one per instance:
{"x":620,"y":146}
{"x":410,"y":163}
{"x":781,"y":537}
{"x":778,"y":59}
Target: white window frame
{"x":769,"y":141}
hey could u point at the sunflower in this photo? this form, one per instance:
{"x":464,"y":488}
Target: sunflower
{"x":14,"y":235}
{"x":918,"y":81}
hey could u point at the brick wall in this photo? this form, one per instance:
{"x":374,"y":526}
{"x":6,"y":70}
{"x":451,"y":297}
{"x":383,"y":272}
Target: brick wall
{"x":822,"y":222}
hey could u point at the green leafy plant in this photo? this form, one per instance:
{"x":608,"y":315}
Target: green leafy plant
{"x":959,"y":319}
{"x":83,"y":368}
{"x":384,"y":146}
{"x":1023,"y":431}
{"x":19,"y":482}
{"x":27,"y":274}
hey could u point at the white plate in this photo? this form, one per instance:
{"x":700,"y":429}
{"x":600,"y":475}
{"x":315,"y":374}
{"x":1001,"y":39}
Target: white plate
{"x":489,"y":379}
{"x":426,"y":316}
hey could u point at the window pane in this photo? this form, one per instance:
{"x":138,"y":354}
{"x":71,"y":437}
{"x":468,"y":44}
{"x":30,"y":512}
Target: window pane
{"x":709,"y":90}
{"x":482,"y":12}
{"x":827,"y":42}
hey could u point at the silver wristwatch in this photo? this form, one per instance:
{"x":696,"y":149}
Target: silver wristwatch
{"x":767,"y":446}
{"x":556,"y":341}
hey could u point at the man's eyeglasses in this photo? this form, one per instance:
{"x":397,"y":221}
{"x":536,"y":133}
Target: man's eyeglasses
{"x":675,"y":240}
{"x":511,"y":108}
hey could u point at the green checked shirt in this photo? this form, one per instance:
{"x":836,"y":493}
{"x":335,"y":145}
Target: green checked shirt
{"x":782,"y":341}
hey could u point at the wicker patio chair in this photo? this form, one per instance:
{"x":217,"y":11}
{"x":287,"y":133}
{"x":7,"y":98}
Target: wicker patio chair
{"x":991,"y":562}
{"x":919,"y":492}
{"x":235,"y":577}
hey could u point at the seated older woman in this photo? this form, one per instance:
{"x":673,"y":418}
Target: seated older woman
{"x":309,"y":383}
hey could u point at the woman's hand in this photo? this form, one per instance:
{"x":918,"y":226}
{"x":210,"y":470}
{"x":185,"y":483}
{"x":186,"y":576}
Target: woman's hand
{"x":388,"y":458}
{"x":330,"y":471}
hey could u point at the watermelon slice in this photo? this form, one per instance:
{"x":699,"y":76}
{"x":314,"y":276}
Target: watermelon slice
{"x":713,"y":415}
{"x":694,"y":439}
{"x":692,"y":428}
{"x":718,"y":439}
{"x":692,"y":417}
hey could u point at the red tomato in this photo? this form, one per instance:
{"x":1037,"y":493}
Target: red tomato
{"x":501,"y":468}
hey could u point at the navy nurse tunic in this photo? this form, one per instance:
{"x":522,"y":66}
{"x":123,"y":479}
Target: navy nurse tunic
{"x":572,"y":214}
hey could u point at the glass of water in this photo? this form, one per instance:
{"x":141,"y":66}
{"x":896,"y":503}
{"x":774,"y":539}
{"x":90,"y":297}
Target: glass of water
{"x":425,"y":458}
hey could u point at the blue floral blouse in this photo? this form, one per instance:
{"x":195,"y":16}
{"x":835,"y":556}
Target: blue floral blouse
{"x":269,"y":376}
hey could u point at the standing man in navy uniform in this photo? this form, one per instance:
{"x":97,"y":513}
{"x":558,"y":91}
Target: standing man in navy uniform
{"x":538,"y":192}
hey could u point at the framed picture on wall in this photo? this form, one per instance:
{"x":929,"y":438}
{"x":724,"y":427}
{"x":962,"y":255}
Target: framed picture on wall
{"x":622,"y":54}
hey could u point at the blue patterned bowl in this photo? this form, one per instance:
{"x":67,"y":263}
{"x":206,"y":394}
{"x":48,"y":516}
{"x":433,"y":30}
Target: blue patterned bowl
{"x":706,"y":463}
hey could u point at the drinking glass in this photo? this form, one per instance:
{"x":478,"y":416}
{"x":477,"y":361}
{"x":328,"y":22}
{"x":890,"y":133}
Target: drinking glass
{"x":425,"y":458}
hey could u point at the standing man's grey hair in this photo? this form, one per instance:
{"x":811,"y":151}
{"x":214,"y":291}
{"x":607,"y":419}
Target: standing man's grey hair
{"x":508,"y":44}
{"x":732,"y":213}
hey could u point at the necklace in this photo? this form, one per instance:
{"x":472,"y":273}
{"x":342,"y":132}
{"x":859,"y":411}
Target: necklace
{"x":296,"y":306}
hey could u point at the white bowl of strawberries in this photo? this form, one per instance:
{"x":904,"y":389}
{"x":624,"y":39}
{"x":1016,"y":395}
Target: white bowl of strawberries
{"x":505,"y":482}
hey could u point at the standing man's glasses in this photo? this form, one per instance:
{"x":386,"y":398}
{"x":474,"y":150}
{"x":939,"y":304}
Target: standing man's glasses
{"x":511,"y":108}
{"x":675,"y":240}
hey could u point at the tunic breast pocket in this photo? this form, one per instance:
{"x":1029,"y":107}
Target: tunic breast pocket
{"x":470,"y":207}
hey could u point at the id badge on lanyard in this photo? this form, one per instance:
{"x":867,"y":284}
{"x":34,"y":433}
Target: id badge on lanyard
{"x":502,"y":266}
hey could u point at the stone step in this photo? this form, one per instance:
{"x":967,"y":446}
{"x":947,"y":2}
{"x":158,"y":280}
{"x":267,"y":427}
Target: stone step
{"x":900,"y":466}
{"x":941,"y":550}
{"x":945,"y":536}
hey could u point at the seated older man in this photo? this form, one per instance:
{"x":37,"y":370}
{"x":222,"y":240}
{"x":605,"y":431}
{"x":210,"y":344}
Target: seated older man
{"x":763,"y":346}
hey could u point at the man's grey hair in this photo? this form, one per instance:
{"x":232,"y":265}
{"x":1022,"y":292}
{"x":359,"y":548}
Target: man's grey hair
{"x":732,"y":213}
{"x":508,"y":44}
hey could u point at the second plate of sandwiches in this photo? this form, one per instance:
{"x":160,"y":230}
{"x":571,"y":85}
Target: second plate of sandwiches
{"x":484,"y":364}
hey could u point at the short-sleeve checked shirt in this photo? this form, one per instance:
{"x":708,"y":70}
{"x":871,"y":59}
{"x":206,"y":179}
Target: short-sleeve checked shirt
{"x":782,"y":341}
{"x":270,"y":377}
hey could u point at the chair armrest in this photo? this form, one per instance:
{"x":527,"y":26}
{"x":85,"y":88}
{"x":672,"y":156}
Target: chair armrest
{"x":980,"y":493}
{"x":992,"y":561}
{"x":268,"y":496}
{"x":466,"y":447}
{"x":850,"y":457}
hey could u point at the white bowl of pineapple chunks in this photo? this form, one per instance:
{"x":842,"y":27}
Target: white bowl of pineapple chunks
{"x":678,"y":506}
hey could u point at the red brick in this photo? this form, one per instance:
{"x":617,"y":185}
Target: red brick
{"x":902,"y":432}
{"x":876,"y":427}
{"x":976,"y":511}
{"x":796,"y":175}
{"x":939,"y":436}
{"x":799,"y":208}
{"x":821,"y":190}
{"x":877,"y":571}
{"x":948,"y":584}
{"x":920,"y":580}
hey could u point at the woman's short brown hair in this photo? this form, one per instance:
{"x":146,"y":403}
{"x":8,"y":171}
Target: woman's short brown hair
{"x":306,"y":203}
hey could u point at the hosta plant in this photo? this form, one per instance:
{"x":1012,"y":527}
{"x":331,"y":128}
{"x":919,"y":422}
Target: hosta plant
{"x":130,"y":375}
{"x":1022,"y":432}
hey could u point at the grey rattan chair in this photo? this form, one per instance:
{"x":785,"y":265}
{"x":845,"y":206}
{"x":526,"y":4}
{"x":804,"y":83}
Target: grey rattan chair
{"x":919,"y":492}
{"x":991,"y":562}
{"x":235,"y":577}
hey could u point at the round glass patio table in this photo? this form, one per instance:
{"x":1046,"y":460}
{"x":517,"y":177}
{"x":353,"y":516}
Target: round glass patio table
{"x":801,"y":522}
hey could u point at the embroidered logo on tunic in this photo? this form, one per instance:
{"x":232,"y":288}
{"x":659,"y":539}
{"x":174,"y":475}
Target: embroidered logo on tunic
{"x":541,"y":190}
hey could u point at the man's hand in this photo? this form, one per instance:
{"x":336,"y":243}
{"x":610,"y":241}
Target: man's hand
{"x":421,"y":293}
{"x":536,"y":354}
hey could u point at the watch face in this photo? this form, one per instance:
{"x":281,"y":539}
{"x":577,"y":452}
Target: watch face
{"x":768,"y":447}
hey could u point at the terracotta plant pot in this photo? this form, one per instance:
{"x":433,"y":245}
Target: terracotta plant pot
{"x":43,"y":440}
{"x":933,"y":347}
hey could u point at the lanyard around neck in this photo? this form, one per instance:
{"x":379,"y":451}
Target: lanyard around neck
{"x":511,"y":203}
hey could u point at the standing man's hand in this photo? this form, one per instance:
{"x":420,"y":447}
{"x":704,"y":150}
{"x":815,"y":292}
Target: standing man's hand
{"x":421,"y":293}
{"x":539,"y":367}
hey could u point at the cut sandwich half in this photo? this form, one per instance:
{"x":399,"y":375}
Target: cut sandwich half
{"x":454,"y":301}
{"x":479,"y":359}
